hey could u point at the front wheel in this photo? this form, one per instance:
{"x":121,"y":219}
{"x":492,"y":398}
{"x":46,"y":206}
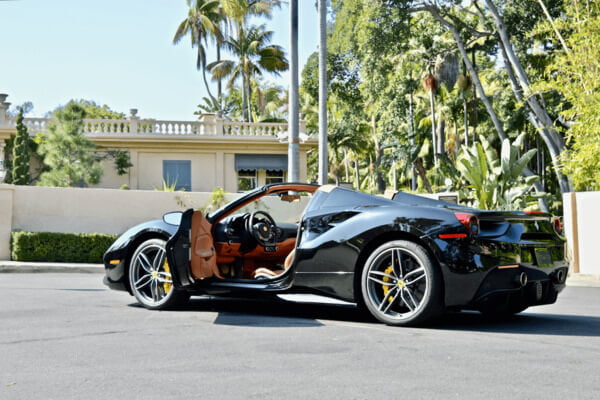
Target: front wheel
{"x":150,"y":277}
{"x":401,"y":285}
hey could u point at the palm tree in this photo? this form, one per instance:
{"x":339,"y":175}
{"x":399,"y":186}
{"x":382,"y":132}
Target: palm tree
{"x":253,"y":55}
{"x":202,"y":23}
{"x":240,"y":10}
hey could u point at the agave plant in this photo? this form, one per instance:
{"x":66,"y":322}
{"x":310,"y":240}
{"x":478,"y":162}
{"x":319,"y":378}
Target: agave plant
{"x":494,"y":182}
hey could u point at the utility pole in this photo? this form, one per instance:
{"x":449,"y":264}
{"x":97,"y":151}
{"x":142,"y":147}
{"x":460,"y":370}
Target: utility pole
{"x":323,"y":162}
{"x":293,"y":123}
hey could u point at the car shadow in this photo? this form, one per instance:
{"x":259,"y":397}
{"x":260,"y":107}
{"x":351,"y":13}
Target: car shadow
{"x":527,"y":323}
{"x":274,"y":312}
{"x":280,"y":313}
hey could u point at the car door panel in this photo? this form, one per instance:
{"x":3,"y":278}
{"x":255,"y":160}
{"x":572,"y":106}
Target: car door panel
{"x":191,"y":250}
{"x":203,"y":263}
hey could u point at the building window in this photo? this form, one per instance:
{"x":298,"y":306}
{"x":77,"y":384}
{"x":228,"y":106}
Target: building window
{"x":247,"y":180}
{"x":178,"y":174}
{"x":274,"y":177}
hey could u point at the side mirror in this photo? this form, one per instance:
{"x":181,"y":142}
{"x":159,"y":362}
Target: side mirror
{"x":173,"y":218}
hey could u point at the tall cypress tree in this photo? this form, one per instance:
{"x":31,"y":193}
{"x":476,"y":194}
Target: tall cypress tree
{"x":20,"y":168}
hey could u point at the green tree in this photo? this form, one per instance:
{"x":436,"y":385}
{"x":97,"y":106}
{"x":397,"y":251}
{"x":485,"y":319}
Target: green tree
{"x":21,"y":156}
{"x":94,"y":110}
{"x":68,"y":155}
{"x":575,"y":74}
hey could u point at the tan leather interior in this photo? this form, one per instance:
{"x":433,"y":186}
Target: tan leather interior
{"x":204,"y":257}
{"x":269,"y":273}
{"x":254,"y":260}
{"x":207,"y":257}
{"x":226,"y":252}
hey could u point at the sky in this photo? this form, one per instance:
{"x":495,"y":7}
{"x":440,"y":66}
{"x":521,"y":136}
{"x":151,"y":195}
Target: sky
{"x":115,"y":52}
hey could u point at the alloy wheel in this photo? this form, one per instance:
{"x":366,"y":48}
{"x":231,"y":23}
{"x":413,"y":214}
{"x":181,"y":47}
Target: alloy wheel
{"x":396,"y":283}
{"x":150,"y":275}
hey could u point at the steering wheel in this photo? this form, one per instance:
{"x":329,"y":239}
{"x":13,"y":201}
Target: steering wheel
{"x":263,"y":228}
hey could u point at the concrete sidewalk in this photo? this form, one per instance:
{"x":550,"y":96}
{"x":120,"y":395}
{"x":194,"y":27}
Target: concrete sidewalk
{"x":587,"y":280}
{"x":29,"y":267}
{"x":41,"y":267}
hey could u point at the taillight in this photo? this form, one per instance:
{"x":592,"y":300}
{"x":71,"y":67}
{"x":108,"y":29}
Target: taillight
{"x":557,"y":225}
{"x":533,"y":212}
{"x":469,"y":221}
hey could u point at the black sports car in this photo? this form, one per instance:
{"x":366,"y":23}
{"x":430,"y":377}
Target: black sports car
{"x":405,"y":259}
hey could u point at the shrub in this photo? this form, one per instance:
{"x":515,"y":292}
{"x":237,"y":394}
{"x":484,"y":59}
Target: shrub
{"x":61,"y":247}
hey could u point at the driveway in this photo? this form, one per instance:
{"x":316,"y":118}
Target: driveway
{"x":67,"y":336}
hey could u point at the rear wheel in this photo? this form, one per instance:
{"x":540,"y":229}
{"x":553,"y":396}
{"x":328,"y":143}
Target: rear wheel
{"x":401,"y":285}
{"x":150,"y":277}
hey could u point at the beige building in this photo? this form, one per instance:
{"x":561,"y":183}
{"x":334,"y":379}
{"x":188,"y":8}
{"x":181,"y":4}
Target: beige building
{"x":194,"y":155}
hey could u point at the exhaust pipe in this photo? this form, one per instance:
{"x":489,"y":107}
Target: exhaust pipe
{"x":521,"y":279}
{"x":560,"y":276}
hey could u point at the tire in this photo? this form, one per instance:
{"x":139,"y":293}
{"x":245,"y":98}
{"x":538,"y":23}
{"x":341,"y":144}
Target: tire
{"x":150,"y":278}
{"x":401,"y":285}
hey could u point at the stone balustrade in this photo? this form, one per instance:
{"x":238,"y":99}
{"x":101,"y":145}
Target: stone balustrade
{"x":207,"y":125}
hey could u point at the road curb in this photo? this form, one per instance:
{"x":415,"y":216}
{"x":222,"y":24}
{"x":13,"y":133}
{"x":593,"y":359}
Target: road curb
{"x":589,"y":280}
{"x":44,"y":267}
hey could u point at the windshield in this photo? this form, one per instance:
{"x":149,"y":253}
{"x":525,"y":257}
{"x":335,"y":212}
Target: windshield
{"x":280,"y":210}
{"x":286,"y":197}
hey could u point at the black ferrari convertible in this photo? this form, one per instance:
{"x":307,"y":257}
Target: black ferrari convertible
{"x":406,"y":259}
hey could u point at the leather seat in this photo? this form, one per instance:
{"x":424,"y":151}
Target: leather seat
{"x":266,"y":273}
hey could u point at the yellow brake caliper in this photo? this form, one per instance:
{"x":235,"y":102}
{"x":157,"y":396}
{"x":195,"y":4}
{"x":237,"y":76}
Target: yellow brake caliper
{"x":386,"y":288}
{"x":167,"y":286}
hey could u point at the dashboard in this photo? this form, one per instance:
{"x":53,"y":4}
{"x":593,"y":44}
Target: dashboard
{"x":234,"y":229}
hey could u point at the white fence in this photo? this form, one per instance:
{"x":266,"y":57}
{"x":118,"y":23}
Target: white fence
{"x":206,"y":125}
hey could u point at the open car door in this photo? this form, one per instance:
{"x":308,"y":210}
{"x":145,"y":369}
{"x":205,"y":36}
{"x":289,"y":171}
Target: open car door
{"x":191,"y":251}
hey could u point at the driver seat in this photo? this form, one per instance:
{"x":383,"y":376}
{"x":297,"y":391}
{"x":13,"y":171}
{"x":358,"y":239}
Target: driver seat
{"x":266,"y":273}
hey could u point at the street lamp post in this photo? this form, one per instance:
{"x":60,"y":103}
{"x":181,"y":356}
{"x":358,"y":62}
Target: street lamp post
{"x":293,"y":122}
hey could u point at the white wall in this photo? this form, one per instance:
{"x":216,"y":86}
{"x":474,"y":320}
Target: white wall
{"x":581,"y":223}
{"x":111,"y":211}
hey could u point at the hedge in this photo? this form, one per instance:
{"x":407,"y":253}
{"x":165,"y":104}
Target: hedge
{"x":61,"y":247}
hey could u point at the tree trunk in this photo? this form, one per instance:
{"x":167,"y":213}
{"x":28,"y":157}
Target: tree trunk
{"x":553,"y":140}
{"x":219,"y":88}
{"x":357,"y":174}
{"x":323,"y":84}
{"x":207,"y":86}
{"x":556,"y":31}
{"x":244,"y":98}
{"x":466,"y":119}
{"x":465,"y":104}
{"x":378,"y":156}
{"x":434,"y":11}
{"x":441,"y":137}
{"x":346,"y":164}
{"x":433,"y":127}
{"x":249,"y":100}
{"x":475,"y":114}
{"x":421,"y":172}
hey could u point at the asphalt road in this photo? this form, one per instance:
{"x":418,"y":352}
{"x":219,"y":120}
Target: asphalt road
{"x":66,"y":336}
